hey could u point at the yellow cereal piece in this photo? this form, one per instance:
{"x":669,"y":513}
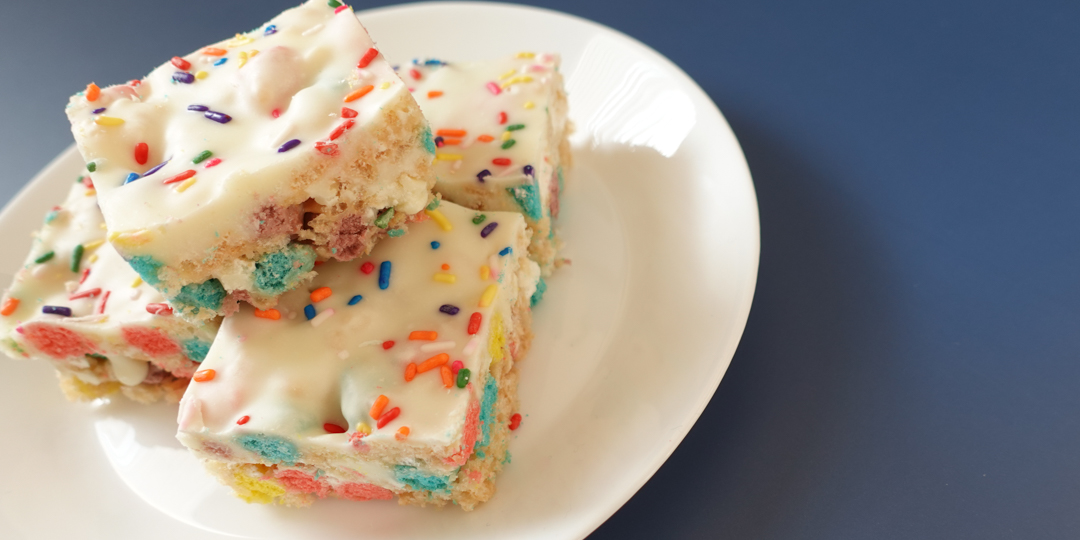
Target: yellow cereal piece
{"x":497,"y":340}
{"x":257,"y":491}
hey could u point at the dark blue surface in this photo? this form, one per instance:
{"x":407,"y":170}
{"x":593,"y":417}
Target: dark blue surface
{"x":910,"y":367}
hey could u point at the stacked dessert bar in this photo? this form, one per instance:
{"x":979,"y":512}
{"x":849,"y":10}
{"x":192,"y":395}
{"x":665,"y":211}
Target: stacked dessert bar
{"x":257,"y":231}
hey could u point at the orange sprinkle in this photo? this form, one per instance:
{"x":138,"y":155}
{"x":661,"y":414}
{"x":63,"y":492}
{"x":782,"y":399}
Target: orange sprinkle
{"x":445,"y":266}
{"x":434,"y":93}
{"x":447,"y":377}
{"x":92,"y":92}
{"x":402,"y":432}
{"x":271,"y":314}
{"x":410,"y":372}
{"x":9,"y":306}
{"x":423,"y":335}
{"x":204,"y":375}
{"x":485,"y":138}
{"x":320,"y":294}
{"x":451,"y":133}
{"x":378,"y":406}
{"x":214,"y":51}
{"x":357,"y":94}
{"x":451,"y":142}
{"x":433,"y":362}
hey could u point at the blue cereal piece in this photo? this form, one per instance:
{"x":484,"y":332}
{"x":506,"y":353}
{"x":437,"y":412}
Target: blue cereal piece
{"x":541,"y":288}
{"x":415,"y":479}
{"x":196,"y":349}
{"x":528,"y":198}
{"x":280,"y":271}
{"x":272,"y":448}
{"x":426,"y":138}
{"x":197,"y":296}
{"x":487,"y":412}
{"x":147,"y":268}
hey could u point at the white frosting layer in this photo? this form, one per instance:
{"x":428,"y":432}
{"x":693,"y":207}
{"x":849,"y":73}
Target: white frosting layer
{"x":108,"y":304}
{"x":286,"y":81}
{"x":289,"y":377}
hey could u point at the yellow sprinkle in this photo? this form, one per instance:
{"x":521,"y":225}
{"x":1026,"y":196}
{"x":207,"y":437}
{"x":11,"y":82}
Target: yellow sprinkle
{"x":201,"y":74}
{"x":243,"y":59}
{"x":385,"y":85}
{"x":102,"y":226}
{"x":529,"y":105}
{"x":506,"y":135}
{"x":516,"y":80}
{"x":526,"y":55}
{"x":108,"y":121}
{"x":507,"y":75}
{"x":135,"y":238}
{"x":485,"y":273}
{"x":489,"y":295}
{"x":93,"y":258}
{"x":363,"y":428}
{"x":94,"y":244}
{"x":136,"y":283}
{"x":91,"y":192}
{"x":440,"y":219}
{"x":448,"y":157}
{"x":445,"y":278}
{"x":239,"y":40}
{"x":186,"y":184}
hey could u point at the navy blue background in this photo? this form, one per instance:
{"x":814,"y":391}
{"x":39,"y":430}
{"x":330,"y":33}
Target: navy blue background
{"x":910,"y":367}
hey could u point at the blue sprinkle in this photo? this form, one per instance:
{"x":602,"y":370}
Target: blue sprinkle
{"x":183,"y":77}
{"x":487,"y":230}
{"x":220,"y":61}
{"x":57,"y":310}
{"x":384,"y":275}
{"x":309,"y":311}
{"x":355,"y":300}
{"x":528,"y":170}
{"x":449,"y":309}
{"x":198,"y":108}
{"x":435,"y":245}
{"x":506,"y":251}
{"x":155,"y":169}
{"x":289,"y":145}
{"x":99,"y":111}
{"x":131,"y":177}
{"x":394,"y":233}
{"x":220,"y":118}
{"x":434,"y":62}
{"x":483,"y":174}
{"x":270,"y":30}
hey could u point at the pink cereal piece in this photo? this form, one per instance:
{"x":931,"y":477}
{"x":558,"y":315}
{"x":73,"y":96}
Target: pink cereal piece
{"x":217,"y":449}
{"x":57,"y":342}
{"x":301,"y":482}
{"x":151,"y":341}
{"x":355,"y":491}
{"x":472,"y":427}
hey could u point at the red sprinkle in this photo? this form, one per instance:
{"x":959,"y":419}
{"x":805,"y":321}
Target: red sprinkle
{"x":329,"y":149}
{"x":387,"y":344}
{"x":159,"y":309}
{"x":104,"y":300}
{"x":456,"y":366}
{"x":367,"y":267}
{"x":179,"y":178}
{"x":142,"y":151}
{"x":243,"y":420}
{"x":213,"y":162}
{"x":342,"y":129}
{"x":502,"y":118}
{"x":275,"y":113}
{"x":501,"y":161}
{"x":515,"y":421}
{"x":180,"y":63}
{"x":367,"y":58}
{"x":474,"y":322}
{"x":340,"y":8}
{"x":85,"y":274}
{"x":333,"y":428}
{"x":388,"y":417}
{"x":414,"y":74}
{"x":86,"y":181}
{"x":89,"y":293}
{"x":347,"y":113}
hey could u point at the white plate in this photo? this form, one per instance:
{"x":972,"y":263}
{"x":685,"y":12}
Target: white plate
{"x":661,"y":223}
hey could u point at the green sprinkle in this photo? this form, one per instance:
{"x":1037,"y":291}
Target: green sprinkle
{"x":45,"y":257}
{"x":463,"y":377}
{"x":394,"y":233}
{"x":76,"y":257}
{"x":334,"y":3}
{"x":202,"y":157}
{"x":97,"y":356}
{"x":508,"y":144}
{"x":78,"y":180}
{"x":478,"y":219}
{"x":91,"y":166}
{"x":515,"y":127}
{"x":383,"y":221}
{"x":433,"y":204}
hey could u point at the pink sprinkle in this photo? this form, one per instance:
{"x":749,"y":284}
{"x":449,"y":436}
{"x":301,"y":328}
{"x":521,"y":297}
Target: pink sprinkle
{"x":19,"y":330}
{"x":340,"y":8}
{"x":456,"y":366}
{"x":494,"y":88}
{"x":159,"y":309}
{"x":213,"y":162}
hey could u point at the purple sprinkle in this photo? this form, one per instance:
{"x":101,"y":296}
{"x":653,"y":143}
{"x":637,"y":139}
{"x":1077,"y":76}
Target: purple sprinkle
{"x":449,"y":310}
{"x":483,"y":174}
{"x":99,"y":111}
{"x":199,"y":108}
{"x":487,"y":230}
{"x":57,"y":310}
{"x":438,"y":142}
{"x":529,"y":170}
{"x":183,"y":77}
{"x":220,"y":118}
{"x":155,"y":169}
{"x":289,"y":145}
